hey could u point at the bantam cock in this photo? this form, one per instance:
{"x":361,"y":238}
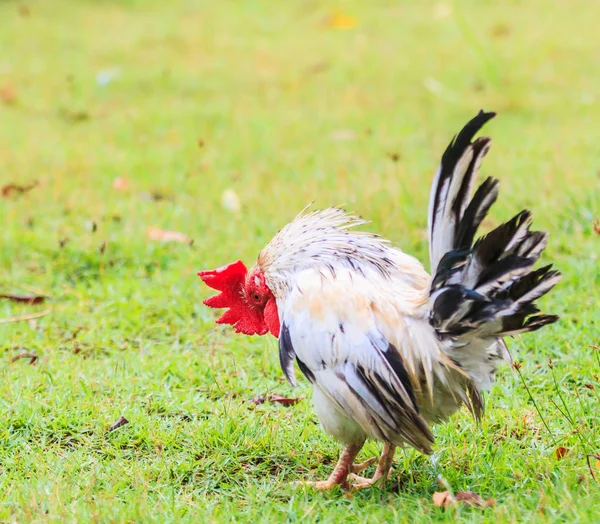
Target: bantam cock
{"x":388,"y":348}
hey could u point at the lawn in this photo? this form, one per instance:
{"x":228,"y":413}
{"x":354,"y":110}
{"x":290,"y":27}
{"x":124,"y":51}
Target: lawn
{"x":220,"y":121}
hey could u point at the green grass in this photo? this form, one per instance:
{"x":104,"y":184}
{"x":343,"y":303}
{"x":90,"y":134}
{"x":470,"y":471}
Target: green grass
{"x":289,"y":110}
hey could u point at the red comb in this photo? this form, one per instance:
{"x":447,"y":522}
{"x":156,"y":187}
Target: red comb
{"x":229,"y":280}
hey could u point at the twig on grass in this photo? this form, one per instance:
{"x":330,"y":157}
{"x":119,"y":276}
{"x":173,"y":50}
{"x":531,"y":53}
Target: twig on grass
{"x":24,"y":317}
{"x":31,"y":356}
{"x":517,"y":366}
{"x":597,"y":457}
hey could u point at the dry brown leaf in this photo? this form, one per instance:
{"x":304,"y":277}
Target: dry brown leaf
{"x":597,"y":226}
{"x":444,"y":499}
{"x":162,"y":235}
{"x":339,"y":20}
{"x":155,"y":196}
{"x":257,"y":400}
{"x":276,"y":399}
{"x":473,"y":499}
{"x":17,"y":189}
{"x":589,"y":386}
{"x":285,"y":401}
{"x":28,"y":299}
{"x":500,"y":30}
{"x":120,"y":183}
{"x":561,"y":452}
{"x":74,"y":116}
{"x":121,"y":422}
{"x":8,"y":95}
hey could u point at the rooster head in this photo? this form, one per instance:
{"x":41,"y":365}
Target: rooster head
{"x":252,"y":306}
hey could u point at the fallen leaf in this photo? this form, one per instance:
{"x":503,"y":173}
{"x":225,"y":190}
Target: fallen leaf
{"x":17,"y":189}
{"x":155,"y":196}
{"x":121,"y":422}
{"x":500,"y":30}
{"x":442,"y":499}
{"x":8,"y":95}
{"x":277,"y":399}
{"x":589,"y":386}
{"x":286,"y":401}
{"x":597,"y":226}
{"x":31,"y":356}
{"x":120,"y":183}
{"x":28,"y":299}
{"x":473,"y":499}
{"x":340,"y":20}
{"x":469,"y":498}
{"x":162,"y":235}
{"x":561,"y":452}
{"x":257,"y":400}
{"x":231,"y":201}
{"x":318,"y":67}
{"x":74,"y":116}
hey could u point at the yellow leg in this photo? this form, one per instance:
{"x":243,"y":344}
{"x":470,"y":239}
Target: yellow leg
{"x":339,"y":475}
{"x":382,"y":471}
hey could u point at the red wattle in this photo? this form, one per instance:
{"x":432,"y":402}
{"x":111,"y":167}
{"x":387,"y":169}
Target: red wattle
{"x":272,"y":317}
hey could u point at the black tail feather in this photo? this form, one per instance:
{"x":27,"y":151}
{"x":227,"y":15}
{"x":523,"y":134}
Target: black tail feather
{"x":476,"y":211}
{"x":487,"y":289}
{"x":453,"y":184}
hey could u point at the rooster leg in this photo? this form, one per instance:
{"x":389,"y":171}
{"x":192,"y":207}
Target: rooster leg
{"x":382,"y":471}
{"x":339,"y":475}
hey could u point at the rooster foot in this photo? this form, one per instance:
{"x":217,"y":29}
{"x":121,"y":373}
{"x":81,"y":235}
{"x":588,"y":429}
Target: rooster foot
{"x":357,"y":468}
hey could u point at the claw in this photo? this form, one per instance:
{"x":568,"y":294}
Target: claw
{"x":357,"y":468}
{"x":381,"y":472}
{"x":321,"y":485}
{"x":358,"y":482}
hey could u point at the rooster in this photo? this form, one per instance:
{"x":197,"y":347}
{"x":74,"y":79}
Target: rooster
{"x":388,"y":348}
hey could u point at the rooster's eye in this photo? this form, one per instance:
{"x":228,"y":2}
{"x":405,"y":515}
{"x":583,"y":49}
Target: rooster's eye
{"x":256,"y":297}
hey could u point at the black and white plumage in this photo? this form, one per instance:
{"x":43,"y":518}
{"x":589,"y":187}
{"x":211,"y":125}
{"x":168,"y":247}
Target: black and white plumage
{"x":388,"y":348}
